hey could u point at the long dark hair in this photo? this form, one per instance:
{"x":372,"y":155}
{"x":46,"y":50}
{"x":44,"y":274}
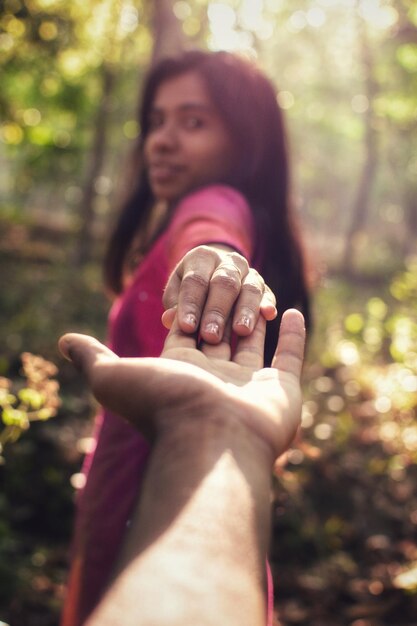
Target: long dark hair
{"x":247,"y":102}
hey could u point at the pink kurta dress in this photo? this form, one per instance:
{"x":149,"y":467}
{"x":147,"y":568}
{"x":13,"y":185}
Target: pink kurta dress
{"x":115,"y":469}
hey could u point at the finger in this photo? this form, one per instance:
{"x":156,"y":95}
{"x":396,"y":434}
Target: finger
{"x":269,"y":305}
{"x":225,"y":286}
{"x":177,"y":338}
{"x":289,"y":354}
{"x":222,"y":350}
{"x":250,"y":349}
{"x":168,"y":317}
{"x":84,"y":351}
{"x":248,"y":304}
{"x":172,"y":288}
{"x":124,"y":386}
{"x":188,"y":286}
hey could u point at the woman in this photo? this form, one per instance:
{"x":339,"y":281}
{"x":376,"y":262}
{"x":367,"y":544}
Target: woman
{"x":208,"y":196}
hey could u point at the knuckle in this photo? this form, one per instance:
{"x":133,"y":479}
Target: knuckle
{"x":253,"y":289}
{"x":250,"y":309}
{"x":193,"y":280}
{"x":227,"y":281}
{"x":200,"y":253}
{"x":268,"y":293}
{"x":239,"y":261}
{"x":255,"y":277}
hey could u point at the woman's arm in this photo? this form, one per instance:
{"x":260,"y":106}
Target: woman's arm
{"x":213,"y":245}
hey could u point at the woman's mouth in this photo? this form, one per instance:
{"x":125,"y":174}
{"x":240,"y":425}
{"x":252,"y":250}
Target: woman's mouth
{"x":162,"y":171}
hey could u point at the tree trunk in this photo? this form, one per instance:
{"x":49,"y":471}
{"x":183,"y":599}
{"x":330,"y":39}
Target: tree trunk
{"x":168,"y":34}
{"x":363,"y":192}
{"x":410,"y":218}
{"x":94,"y":168}
{"x":168,"y":40}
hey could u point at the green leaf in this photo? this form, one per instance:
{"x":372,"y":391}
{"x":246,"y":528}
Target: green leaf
{"x":32,"y":398}
{"x":45,"y":414}
{"x":6,"y":398}
{"x":14,"y":417}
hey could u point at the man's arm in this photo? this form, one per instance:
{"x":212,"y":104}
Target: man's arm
{"x":197,"y":543}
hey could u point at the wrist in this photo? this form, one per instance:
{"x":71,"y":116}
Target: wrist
{"x":208,"y":430}
{"x":189,"y":450}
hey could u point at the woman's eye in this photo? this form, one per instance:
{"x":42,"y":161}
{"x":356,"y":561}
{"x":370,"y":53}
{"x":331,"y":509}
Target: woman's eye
{"x":192,"y":122}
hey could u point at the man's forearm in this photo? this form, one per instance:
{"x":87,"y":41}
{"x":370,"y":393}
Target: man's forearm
{"x":195,"y":552}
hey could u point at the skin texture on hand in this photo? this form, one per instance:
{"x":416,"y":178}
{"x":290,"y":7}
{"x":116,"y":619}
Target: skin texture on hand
{"x":210,"y":283}
{"x":146,"y":391}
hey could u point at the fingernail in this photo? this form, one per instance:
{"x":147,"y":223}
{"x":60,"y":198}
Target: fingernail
{"x":212,"y":328}
{"x":244,"y":321}
{"x":65,"y":349}
{"x":71,"y":354}
{"x":190,"y":319}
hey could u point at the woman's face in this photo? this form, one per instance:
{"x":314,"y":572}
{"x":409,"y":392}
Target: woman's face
{"x":188,"y":144}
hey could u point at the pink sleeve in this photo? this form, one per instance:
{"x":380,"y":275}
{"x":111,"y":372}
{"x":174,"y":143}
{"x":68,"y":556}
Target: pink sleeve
{"x":215,"y":214}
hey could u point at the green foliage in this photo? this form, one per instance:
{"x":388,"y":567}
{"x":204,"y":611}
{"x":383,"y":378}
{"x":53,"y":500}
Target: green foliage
{"x":345,"y":503}
{"x":54,"y":53}
{"x":37,"y":401}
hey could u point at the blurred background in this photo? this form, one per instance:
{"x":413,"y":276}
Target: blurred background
{"x":344,"y":548}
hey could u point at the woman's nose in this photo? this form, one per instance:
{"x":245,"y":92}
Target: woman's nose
{"x":165,"y":137}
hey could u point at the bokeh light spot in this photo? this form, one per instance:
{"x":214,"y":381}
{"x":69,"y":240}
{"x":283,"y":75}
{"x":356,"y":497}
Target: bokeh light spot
{"x":78,"y":480}
{"x":323,"y":384}
{"x":316,"y":17}
{"x":131,"y":129}
{"x":359,"y":103}
{"x":11,"y":133}
{"x":323,"y":431}
{"x":347,"y":352}
{"x":48,"y":31}
{"x":191,"y":26}
{"x":285,"y":99}
{"x":335,"y":404}
{"x":16,"y":28}
{"x":62,"y":138}
{"x":383,"y":404}
{"x":32,"y":117}
{"x":297,"y":22}
{"x":354,"y":323}
{"x":377,"y":308}
{"x":182,"y":10}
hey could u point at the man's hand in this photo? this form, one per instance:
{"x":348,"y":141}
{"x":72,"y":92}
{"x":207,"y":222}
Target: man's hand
{"x":199,"y":533}
{"x":190,"y":383}
{"x":207,"y":285}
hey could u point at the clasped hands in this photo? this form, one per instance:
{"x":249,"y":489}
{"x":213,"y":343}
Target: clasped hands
{"x":205,"y":381}
{"x":213,"y":285}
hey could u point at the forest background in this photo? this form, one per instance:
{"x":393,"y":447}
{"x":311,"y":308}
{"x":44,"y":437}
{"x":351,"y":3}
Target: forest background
{"x":344,"y":549}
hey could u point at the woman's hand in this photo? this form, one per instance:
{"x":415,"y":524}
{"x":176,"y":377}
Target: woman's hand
{"x":210,"y":282}
{"x":187,"y":383}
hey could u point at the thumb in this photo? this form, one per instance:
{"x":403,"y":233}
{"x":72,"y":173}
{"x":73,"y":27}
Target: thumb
{"x":84,"y":352}
{"x":289,"y":354}
{"x":123,"y":386}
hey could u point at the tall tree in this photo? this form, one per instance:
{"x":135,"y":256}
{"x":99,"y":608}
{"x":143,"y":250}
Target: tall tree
{"x":168,"y":39}
{"x":167,"y":32}
{"x":362,"y":196}
{"x":96,"y":160}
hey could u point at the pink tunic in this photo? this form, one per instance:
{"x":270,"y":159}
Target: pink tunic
{"x":215,"y":214}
